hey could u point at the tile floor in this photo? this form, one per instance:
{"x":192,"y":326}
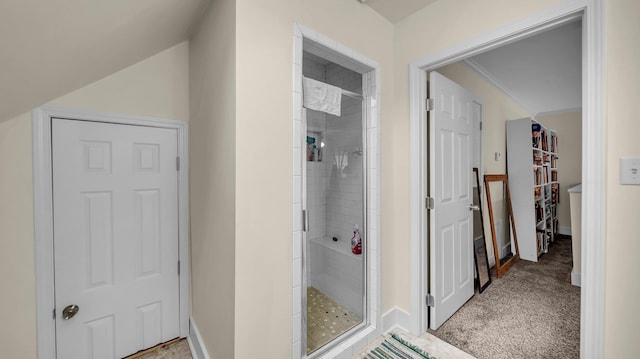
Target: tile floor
{"x":436,"y":347}
{"x":326,"y":319}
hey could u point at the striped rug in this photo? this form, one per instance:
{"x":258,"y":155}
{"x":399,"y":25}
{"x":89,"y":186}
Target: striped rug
{"x":396,"y":347}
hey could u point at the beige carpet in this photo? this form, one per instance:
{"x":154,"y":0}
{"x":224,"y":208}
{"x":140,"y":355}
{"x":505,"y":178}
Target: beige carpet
{"x":531,"y":312}
{"x":326,"y":319}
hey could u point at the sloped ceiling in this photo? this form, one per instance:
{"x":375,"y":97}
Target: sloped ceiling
{"x":542,"y":72}
{"x":49,"y":48}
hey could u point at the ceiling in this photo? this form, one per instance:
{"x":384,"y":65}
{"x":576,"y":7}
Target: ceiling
{"x":396,"y":10}
{"x":543,"y":73}
{"x":49,"y":48}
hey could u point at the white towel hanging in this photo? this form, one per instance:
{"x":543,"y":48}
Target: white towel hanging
{"x":320,"y":96}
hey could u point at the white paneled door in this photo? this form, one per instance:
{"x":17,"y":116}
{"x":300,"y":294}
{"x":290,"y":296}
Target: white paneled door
{"x":451,"y":221}
{"x":115,"y":194}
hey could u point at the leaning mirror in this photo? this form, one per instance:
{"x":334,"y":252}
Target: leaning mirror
{"x":503,"y":230}
{"x":483,"y":272}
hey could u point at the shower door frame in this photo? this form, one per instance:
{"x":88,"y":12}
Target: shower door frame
{"x":349,"y":342}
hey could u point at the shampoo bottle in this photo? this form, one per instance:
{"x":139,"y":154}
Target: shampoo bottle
{"x":356,"y":241}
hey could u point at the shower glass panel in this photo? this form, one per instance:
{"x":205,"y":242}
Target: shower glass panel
{"x":334,"y":259}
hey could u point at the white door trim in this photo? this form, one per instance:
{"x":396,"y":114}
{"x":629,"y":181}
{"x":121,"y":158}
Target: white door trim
{"x":43,"y":213}
{"x":593,"y":158}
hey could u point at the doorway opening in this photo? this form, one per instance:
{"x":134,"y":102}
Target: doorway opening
{"x":592,"y":158}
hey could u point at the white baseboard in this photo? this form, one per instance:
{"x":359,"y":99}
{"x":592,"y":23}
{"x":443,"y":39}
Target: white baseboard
{"x":196,"y":345}
{"x":576,"y":279}
{"x":395,"y":318}
{"x":564,"y":230}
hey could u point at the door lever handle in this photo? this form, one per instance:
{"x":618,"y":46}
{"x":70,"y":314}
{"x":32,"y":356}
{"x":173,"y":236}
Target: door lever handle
{"x":69,"y":311}
{"x":473,"y":207}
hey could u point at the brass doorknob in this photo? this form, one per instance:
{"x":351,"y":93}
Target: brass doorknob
{"x":69,"y":311}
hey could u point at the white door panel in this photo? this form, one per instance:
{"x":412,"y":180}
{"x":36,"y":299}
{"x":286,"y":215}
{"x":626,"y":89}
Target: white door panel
{"x":115,"y":237}
{"x":451,"y":226}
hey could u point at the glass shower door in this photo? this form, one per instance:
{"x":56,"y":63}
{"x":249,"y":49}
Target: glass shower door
{"x":334,"y":235}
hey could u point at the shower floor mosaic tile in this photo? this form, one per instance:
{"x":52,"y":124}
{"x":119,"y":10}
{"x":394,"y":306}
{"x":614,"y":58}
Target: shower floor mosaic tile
{"x":326,"y":319}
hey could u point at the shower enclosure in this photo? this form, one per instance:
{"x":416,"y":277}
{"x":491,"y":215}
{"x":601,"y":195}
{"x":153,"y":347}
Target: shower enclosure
{"x":334,"y":203}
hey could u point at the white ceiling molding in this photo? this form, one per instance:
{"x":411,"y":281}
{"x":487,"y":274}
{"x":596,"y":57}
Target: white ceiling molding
{"x":495,"y":82}
{"x":555,"y":112}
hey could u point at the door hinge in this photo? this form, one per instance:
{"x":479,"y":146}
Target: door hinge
{"x":430,"y":301}
{"x":177,"y":163}
{"x":429,"y":203}
{"x":428,"y":104}
{"x":54,"y":313}
{"x":480,"y":125}
{"x":178,"y":268}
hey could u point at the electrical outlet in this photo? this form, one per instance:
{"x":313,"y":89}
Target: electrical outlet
{"x":630,"y":170}
{"x":497,"y":156}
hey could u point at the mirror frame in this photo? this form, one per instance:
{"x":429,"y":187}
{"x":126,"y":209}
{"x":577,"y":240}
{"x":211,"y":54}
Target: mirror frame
{"x":501,"y":268}
{"x":481,"y":251}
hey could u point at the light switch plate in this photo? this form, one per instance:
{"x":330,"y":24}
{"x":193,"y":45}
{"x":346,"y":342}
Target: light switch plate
{"x":630,"y":170}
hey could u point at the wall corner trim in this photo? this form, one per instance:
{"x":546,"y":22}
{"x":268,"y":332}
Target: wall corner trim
{"x":196,"y":344}
{"x":395,"y":318}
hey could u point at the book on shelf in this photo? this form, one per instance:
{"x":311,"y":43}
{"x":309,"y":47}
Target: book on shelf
{"x":540,"y":239}
{"x":535,"y":134}
{"x":537,"y":192}
{"x":554,"y":143}
{"x":555,"y":193}
{"x":537,"y":158}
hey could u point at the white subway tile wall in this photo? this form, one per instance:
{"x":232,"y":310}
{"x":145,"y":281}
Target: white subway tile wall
{"x":335,"y":189}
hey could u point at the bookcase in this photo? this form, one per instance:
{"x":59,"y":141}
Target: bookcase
{"x":532,"y":167}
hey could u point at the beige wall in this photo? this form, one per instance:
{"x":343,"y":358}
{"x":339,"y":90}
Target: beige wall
{"x":622,"y":56}
{"x":264,"y":150}
{"x":569,"y":128}
{"x":18,"y":298}
{"x":212,"y":153}
{"x":157,"y":87}
{"x":154,"y":87}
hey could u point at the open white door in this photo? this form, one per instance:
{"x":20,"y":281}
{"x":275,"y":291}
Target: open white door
{"x":450,"y":185}
{"x":115,"y":237}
